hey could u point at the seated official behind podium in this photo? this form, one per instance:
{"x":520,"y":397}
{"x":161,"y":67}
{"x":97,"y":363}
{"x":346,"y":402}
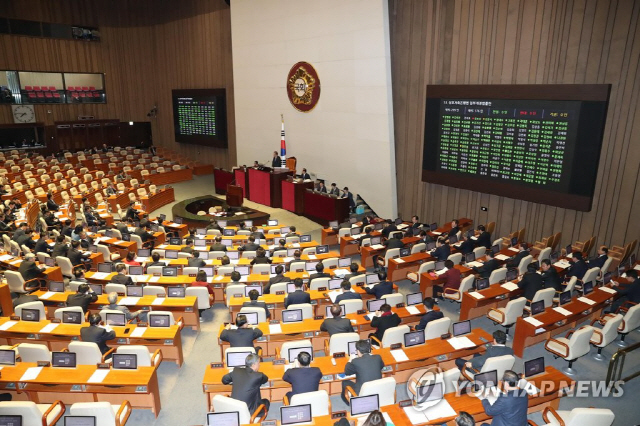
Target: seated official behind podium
{"x":246,"y":383}
{"x":97,"y":333}
{"x":430,"y":315}
{"x":298,"y":296}
{"x":489,"y":265}
{"x":452,"y":279}
{"x":320,"y":187}
{"x":337,"y":324}
{"x":383,"y":320}
{"x":217,"y":245}
{"x":347,"y":294}
{"x":530,"y":283}
{"x":279,"y":278}
{"x":497,"y":348}
{"x":365,"y":366}
{"x":304,"y":175}
{"x":550,"y":277}
{"x":243,"y":336}
{"x":83,"y":298}
{"x":276,"y":161}
{"x":302,"y":377}
{"x":382,"y":288}
{"x":334,"y":190}
{"x":253,"y":302}
{"x":510,"y":409}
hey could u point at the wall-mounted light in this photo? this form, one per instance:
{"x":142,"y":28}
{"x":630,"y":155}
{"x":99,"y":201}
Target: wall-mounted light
{"x":131,"y":123}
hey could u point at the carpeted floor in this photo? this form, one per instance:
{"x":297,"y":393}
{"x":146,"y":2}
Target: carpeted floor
{"x":184,"y":403}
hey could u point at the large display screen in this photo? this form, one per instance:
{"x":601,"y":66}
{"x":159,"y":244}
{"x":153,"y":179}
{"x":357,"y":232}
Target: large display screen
{"x":199,"y":116}
{"x":537,"y":143}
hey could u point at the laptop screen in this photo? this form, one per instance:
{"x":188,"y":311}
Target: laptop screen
{"x":200,"y":243}
{"x":134,"y":290}
{"x":486,"y":380}
{"x":169,"y":271}
{"x":63,"y":359}
{"x":364,"y":404}
{"x":171,"y":254}
{"x":70,"y":317}
{"x":413,"y":338}
{"x":439,"y":265}
{"x":291,"y":252}
{"x":126,"y":237}
{"x":404,"y":252}
{"x":355,"y":231}
{"x":177,"y":291}
{"x":414,"y":299}
{"x":537,"y":307}
{"x":344,"y":263}
{"x":7,"y":357}
{"x":462,"y":327}
{"x":228,"y":232}
{"x":49,"y":261}
{"x":607,"y":278}
{"x":470,"y":257}
{"x":333,"y":224}
{"x":453,"y":239}
{"x":227,"y":243}
{"x":242,"y":270}
{"x":223,"y":419}
{"x":115,"y":319}
{"x":144,"y":253}
{"x":305,"y":238}
{"x":97,"y":288}
{"x":328,"y":313}
{"x":294,"y":414}
{"x":375,"y":304}
{"x":136,"y":270}
{"x":427,"y":393}
{"x":588,"y":287}
{"x":431,"y":245}
{"x":105,"y":268}
{"x":31,"y":315}
{"x":565,"y":297}
{"x":372,"y":279}
{"x":57,"y":286}
{"x":79,"y":421}
{"x":284,"y":230}
{"x":272,"y":222}
{"x":248,"y":288}
{"x":334,"y":284}
{"x":322,"y":249}
{"x":201,"y":231}
{"x":124,"y":361}
{"x":311,"y":266}
{"x":554,"y":256}
{"x":291,"y":315}
{"x":177,"y":220}
{"x":252,"y":317}
{"x":495,"y":249}
{"x":161,"y":217}
{"x":291,"y":287}
{"x":512,"y":274}
{"x":10,"y":420}
{"x":351,"y":347}
{"x":533,"y":367}
{"x":482,"y":283}
{"x":376,"y":240}
{"x":293,"y":352}
{"x":159,"y":321}
{"x":236,"y":359}
{"x":433,"y":226}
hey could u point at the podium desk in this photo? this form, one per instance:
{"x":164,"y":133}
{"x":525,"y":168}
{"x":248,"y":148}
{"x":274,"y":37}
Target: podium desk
{"x":324,"y":208}
{"x":293,"y":195}
{"x":266,"y":186}
{"x":222,"y":178}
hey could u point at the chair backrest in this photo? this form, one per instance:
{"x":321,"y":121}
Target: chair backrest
{"x":296,"y":266}
{"x":278,"y":287}
{"x":591,"y":275}
{"x":202,"y":294}
{"x":284,"y":349}
{"x":307,"y":309}
{"x":590,"y":417}
{"x":393,"y":299}
{"x":118,"y":288}
{"x":103,"y":412}
{"x":58,"y":312}
{"x":154,"y":290}
{"x":631,"y":320}
{"x":319,"y":400}
{"x":417,"y":248}
{"x":261,"y":268}
{"x":14,"y":279}
{"x":607,"y":264}
{"x":394,"y":335}
{"x":500,"y":363}
{"x":225,"y":404}
{"x":425,"y":267}
{"x":513,"y":310}
{"x":571,"y":284}
{"x":610,"y":330}
{"x":30,"y":352}
{"x":437,"y":328}
{"x":451,"y":378}
{"x":340,"y":342}
{"x":456,"y":258}
{"x":579,"y":342}
{"x":467,"y":283}
{"x":87,"y":353}
{"x":142,"y":353}
{"x":385,"y":388}
{"x":545,"y":253}
{"x":497,"y":275}
{"x":316,"y":283}
{"x":390,"y":254}
{"x":31,"y":415}
{"x":479,"y":251}
{"x":262,"y":315}
{"x":357,"y":279}
{"x":545,"y":294}
{"x":31,"y":305}
{"x":351,"y":306}
{"x":330,"y":263}
{"x":154,"y":270}
{"x":524,"y":262}
{"x":65,"y":265}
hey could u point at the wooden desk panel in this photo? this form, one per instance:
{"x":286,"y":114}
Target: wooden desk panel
{"x":172,"y":176}
{"x":157,"y":200}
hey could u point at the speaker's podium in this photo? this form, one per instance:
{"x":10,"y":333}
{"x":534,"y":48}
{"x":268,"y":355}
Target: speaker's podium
{"x":265,"y":185}
{"x":234,"y":196}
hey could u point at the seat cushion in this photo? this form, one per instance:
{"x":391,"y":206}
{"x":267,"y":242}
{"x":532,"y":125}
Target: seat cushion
{"x":557,"y":347}
{"x":494,"y":315}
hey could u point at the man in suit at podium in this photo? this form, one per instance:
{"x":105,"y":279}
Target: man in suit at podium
{"x":305,"y":175}
{"x":276,"y":161}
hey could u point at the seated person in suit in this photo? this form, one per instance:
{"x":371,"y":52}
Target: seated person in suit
{"x":391,"y":227}
{"x":627,"y":292}
{"x":251,"y":245}
{"x":598,"y":262}
{"x":383,"y":320}
{"x":550,"y":277}
{"x":367,"y":234}
{"x":123,"y":226}
{"x":484,"y":238}
{"x":305,"y":175}
{"x":201,"y":281}
{"x":424,"y":238}
{"x":112,"y":298}
{"x":257,"y":234}
{"x":320,"y":187}
{"x":76,"y":256}
{"x":261,"y":257}
{"x":282,"y":245}
{"x":143,"y":231}
{"x":455,"y":228}
{"x":188,"y":248}
{"x":195,"y":261}
{"x":26,"y":239}
{"x":298,"y":296}
{"x":60,"y":248}
{"x":51,"y":220}
{"x":296,"y":258}
{"x":415,"y":222}
{"x":292,"y":232}
{"x":579,"y":266}
{"x":488,"y":266}
{"x":514,"y":262}
{"x":319,"y":272}
{"x":337,"y":323}
{"x":382,"y":288}
{"x":121,"y":276}
{"x":467,"y":245}
{"x":253,"y":302}
{"x":452,"y":279}
{"x":4,"y":226}
{"x":353,"y":268}
{"x":430,"y":315}
{"x":498,"y":348}
{"x":442,"y":250}
{"x":246,"y":383}
{"x":213,"y":224}
{"x":365,"y":366}
{"x":131,"y":259}
{"x":334,"y":190}
{"x":25,"y":298}
{"x":530,"y":283}
{"x":347,"y":294}
{"x":42,"y":246}
{"x":78,"y":275}
{"x":51,"y":205}
{"x":302,"y":377}
{"x":155,"y":260}
{"x":243,"y":336}
{"x":83,"y":298}
{"x":279,"y":278}
{"x":32,"y":274}
{"x":97,"y":333}
{"x":510,"y":409}
{"x":217,"y":245}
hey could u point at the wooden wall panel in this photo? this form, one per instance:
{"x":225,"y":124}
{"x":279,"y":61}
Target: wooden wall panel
{"x":520,"y":42}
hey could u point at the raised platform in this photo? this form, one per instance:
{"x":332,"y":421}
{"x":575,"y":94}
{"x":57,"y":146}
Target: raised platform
{"x":188,"y":211}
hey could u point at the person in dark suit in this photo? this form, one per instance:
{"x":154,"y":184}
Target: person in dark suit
{"x":424,"y":238}
{"x":195,"y":261}
{"x":92,"y":219}
{"x":246,"y":383}
{"x":217,"y":245}
{"x":31,"y":273}
{"x":334,"y":190}
{"x":579,"y":267}
{"x":365,"y":366}
{"x":320,"y":187}
{"x":253,"y":303}
{"x":243,"y":336}
{"x":415,"y":222}
{"x":305,"y":175}
{"x":60,"y":248}
{"x":337,"y":324}
{"x":123,"y":227}
{"x":391,"y":227}
{"x":442,"y":250}
{"x":489,"y":265}
{"x":383,"y":320}
{"x":155,"y":260}
{"x":279,"y":278}
{"x":530,"y":283}
{"x":484,"y":238}
{"x":42,"y":246}
{"x":498,"y":348}
{"x":347,"y":294}
{"x":600,"y":260}
{"x":261,"y":257}
{"x":348,"y":195}
{"x":296,"y":258}
{"x":51,"y":220}
{"x":550,"y":277}
{"x":110,"y":189}
{"x":83,"y":298}
{"x":392,"y":243}
{"x":213,"y":224}
{"x":251,"y":245}
{"x":121,"y":275}
{"x":319,"y":272}
{"x":514,"y":262}
{"x":4,"y":227}
{"x":382,"y":288}
{"x":430,"y":315}
{"x":131,"y":212}
{"x":188,"y":248}
{"x":256,"y":233}
{"x":24,"y":298}
{"x":292,"y":232}
{"x":455,"y":228}
{"x":365,"y":235}
{"x":276,"y":161}
{"x":282,"y":245}
{"x":302,"y":377}
{"x":26,"y":239}
{"x":510,"y":409}
{"x":76,"y":256}
{"x":628,"y":292}
{"x":298,"y":296}
{"x":66,"y":229}
{"x":97,"y":334}
{"x":21,"y":229}
{"x":452,"y":279}
{"x":353,"y":271}
{"x":467,"y":245}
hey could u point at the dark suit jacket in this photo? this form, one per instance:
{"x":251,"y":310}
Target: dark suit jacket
{"x":492,"y":350}
{"x":380,"y":289}
{"x":530,"y":283}
{"x":467,"y":246}
{"x":393,"y":243}
{"x":41,"y":246}
{"x":515,"y":262}
{"x":347,"y":295}
{"x":303,"y":379}
{"x":256,"y":304}
{"x":388,"y":229}
{"x":598,"y":262}
{"x":442,"y":252}
{"x":123,"y":228}
{"x":260,"y":260}
{"x":509,"y":409}
{"x":24,"y":298}
{"x":97,"y":335}
{"x":632,"y":291}
{"x":60,"y":249}
{"x":426,"y":318}
{"x":276,"y":162}
{"x":241,"y":336}
{"x":336,"y":325}
{"x":29,"y":271}
{"x":551,"y":278}
{"x":275,"y":280}
{"x":66,"y":231}
{"x":578,"y":269}
{"x":366,"y":368}
{"x":51,"y":205}
{"x":82,"y":300}
{"x":186,"y":250}
{"x":218,"y":247}
{"x":76,"y":257}
{"x":296,"y":297}
{"x":487,"y":268}
{"x":319,"y":275}
{"x":26,"y":240}
{"x":250,"y":247}
{"x":383,"y":323}
{"x":484,"y":239}
{"x":196,"y":262}
{"x":453,"y":231}
{"x":305,"y":176}
{"x":246,"y":386}
{"x":122,"y":279}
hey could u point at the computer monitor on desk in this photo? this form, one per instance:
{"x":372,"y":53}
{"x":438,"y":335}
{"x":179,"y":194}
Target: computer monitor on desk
{"x":63,"y":359}
{"x":291,"y":315}
{"x":375,"y":304}
{"x":236,"y":359}
{"x":114,"y":319}
{"x":294,"y":352}
{"x":533,"y":367}
{"x":124,"y":361}
{"x":414,"y":299}
{"x":413,"y":338}
{"x":223,"y":419}
{"x":71,"y":317}
{"x":537,"y":307}
{"x":428,"y":393}
{"x":32,"y":315}
{"x":11,"y":420}
{"x":485,"y":380}
{"x":295,"y":414}
{"x":461,"y":328}
{"x":362,"y":405}
{"x":7,"y":357}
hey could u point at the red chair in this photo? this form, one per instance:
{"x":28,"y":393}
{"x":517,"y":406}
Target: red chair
{"x":85,"y":89}
{"x":45,"y":88}
{"x":83,"y":95}
{"x":32,"y":95}
{"x":92,"y":89}
{"x":74,"y":94}
{"x":52,"y":88}
{"x":56,"y":95}
{"x":36,"y":88}
{"x":71,"y":88}
{"x":40,"y":95}
{"x":28,"y":88}
{"x":96,"y":94}
{"x":48,"y":95}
